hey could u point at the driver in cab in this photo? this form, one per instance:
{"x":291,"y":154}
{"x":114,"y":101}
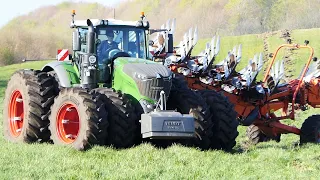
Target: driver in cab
{"x":106,"y":46}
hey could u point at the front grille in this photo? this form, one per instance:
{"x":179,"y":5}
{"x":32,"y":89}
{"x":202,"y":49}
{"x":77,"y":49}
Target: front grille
{"x":152,"y":87}
{"x":154,"y":78}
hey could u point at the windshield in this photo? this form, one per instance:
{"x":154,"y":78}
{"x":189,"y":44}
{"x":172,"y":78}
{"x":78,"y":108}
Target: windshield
{"x":114,"y":40}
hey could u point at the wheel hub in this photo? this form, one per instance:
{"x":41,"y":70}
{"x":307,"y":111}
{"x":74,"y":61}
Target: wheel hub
{"x":68,"y":123}
{"x":16,"y":115}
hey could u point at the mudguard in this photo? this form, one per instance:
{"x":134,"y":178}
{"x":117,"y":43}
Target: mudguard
{"x":67,"y":74}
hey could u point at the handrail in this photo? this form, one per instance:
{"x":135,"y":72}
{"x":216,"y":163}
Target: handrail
{"x":302,"y":75}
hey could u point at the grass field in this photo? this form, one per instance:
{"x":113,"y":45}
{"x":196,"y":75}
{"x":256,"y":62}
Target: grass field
{"x":270,"y":160}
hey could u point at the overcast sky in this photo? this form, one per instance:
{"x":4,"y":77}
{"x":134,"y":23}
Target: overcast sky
{"x":12,"y":8}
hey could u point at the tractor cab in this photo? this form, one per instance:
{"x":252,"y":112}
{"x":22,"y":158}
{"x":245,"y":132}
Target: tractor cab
{"x":113,"y":39}
{"x":104,"y":40}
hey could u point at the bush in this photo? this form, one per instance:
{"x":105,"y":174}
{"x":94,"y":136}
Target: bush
{"x":6,"y":56}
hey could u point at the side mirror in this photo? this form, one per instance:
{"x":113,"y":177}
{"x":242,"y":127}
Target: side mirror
{"x":151,"y":43}
{"x":76,"y":41}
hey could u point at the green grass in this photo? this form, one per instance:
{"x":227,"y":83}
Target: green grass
{"x":299,"y":36}
{"x":269,"y":160}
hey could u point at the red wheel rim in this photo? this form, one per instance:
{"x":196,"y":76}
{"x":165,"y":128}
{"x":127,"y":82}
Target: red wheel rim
{"x":15,"y":112}
{"x":68,"y":123}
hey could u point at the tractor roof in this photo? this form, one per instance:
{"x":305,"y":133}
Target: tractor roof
{"x":96,"y":22}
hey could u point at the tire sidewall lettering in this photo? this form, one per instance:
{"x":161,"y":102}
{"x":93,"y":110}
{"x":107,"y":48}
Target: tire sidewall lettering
{"x":72,"y":99}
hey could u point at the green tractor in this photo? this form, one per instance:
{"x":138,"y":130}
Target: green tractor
{"x":110,"y":92}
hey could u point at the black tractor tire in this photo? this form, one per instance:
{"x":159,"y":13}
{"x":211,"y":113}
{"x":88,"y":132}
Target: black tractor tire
{"x":57,"y":85}
{"x":310,"y":130}
{"x":186,"y":101}
{"x":225,"y":124}
{"x":255,"y":135}
{"x":37,"y":91}
{"x":122,"y":131}
{"x":90,"y":114}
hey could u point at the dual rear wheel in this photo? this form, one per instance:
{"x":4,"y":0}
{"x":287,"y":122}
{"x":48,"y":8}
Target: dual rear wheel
{"x":28,"y":98}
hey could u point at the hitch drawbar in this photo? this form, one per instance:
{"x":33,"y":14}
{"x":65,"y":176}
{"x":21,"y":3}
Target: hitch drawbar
{"x":167,"y":125}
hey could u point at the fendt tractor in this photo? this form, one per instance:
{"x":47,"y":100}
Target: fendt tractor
{"x":260,"y":105}
{"x":111,"y":93}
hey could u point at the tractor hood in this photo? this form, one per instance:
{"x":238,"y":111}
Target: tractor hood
{"x":142,"y":79}
{"x":142,"y":69}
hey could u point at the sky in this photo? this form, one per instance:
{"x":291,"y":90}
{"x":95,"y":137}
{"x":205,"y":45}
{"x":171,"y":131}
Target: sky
{"x":12,"y":8}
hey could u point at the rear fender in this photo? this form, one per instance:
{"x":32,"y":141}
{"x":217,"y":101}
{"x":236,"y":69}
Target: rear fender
{"x":67,"y":74}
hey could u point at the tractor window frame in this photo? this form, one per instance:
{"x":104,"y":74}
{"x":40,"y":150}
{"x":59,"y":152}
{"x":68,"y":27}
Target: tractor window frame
{"x":140,"y":33}
{"x":83,"y":31}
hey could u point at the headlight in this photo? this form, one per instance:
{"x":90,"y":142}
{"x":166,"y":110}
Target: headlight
{"x":147,"y":106}
{"x":92,"y":59}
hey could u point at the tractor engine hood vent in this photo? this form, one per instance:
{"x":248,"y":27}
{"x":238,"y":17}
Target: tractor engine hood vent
{"x":151,"y":79}
{"x":146,"y":71}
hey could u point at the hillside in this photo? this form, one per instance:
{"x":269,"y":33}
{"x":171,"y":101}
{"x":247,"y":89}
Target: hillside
{"x":40,"y":33}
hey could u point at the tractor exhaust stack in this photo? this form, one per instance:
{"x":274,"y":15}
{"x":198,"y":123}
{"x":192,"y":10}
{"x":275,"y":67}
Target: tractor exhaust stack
{"x":91,"y":37}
